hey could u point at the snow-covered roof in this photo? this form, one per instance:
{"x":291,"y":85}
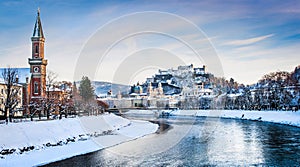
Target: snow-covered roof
{"x":234,"y":95}
{"x":206,"y":90}
{"x":51,"y":89}
{"x":163,"y":72}
{"x":3,"y":83}
{"x":134,"y":94}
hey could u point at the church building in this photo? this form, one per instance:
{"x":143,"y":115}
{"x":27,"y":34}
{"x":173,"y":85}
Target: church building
{"x":37,"y":62}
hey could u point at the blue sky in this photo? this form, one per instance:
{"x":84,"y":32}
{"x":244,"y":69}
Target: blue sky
{"x":251,"y":38}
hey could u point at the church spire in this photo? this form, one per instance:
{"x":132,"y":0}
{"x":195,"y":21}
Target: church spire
{"x":38,"y":30}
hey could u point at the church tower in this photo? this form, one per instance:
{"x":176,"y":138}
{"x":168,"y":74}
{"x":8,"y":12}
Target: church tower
{"x":37,"y":62}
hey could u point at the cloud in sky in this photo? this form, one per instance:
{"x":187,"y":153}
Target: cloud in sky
{"x":253,"y":61}
{"x":248,"y":41}
{"x":244,"y":33}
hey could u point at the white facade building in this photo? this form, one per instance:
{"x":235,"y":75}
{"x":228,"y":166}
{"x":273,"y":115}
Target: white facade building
{"x":19,"y":98}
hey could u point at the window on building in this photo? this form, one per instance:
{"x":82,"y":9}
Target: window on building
{"x":36,"y":49}
{"x":2,"y":91}
{"x":36,"y":87}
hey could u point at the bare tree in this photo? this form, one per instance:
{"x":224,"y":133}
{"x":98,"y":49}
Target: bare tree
{"x":10,"y":77}
{"x":51,"y":78}
{"x":51,"y":81}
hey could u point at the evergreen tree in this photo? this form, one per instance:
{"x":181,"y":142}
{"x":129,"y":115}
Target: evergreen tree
{"x":86,"y":90}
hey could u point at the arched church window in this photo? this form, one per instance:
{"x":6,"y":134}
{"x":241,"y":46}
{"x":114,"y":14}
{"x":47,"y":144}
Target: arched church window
{"x":36,"y":87}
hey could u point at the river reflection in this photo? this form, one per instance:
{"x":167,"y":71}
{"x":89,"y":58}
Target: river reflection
{"x":199,"y":142}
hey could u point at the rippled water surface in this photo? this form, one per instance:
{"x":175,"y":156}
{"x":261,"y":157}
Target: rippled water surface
{"x":189,"y":141}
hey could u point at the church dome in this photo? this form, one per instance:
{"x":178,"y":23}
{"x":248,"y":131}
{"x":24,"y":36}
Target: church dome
{"x":138,"y":89}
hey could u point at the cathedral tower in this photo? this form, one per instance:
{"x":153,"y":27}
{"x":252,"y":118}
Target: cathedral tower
{"x":37,"y":62}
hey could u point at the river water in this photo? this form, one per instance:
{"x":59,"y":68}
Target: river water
{"x":199,"y":141}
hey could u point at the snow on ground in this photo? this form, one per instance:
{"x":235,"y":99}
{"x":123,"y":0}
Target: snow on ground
{"x":282,"y":117}
{"x":146,"y":112}
{"x":60,"y":139}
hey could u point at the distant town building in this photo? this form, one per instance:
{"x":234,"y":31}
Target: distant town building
{"x":137,"y":90}
{"x":296,"y":74}
{"x":61,"y":91}
{"x":185,"y":80}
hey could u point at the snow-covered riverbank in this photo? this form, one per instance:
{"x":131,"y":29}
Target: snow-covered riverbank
{"x":282,"y":117}
{"x":40,"y":142}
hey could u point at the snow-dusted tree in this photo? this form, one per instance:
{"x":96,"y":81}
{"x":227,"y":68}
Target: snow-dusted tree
{"x":86,"y":90}
{"x":10,"y":78}
{"x":258,"y":99}
{"x":275,"y":94}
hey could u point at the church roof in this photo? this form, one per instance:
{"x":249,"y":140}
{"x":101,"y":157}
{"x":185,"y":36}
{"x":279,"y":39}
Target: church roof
{"x":38,"y":30}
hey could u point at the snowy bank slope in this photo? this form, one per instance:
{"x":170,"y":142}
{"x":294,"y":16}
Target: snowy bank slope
{"x":60,"y":139}
{"x":283,"y":117}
